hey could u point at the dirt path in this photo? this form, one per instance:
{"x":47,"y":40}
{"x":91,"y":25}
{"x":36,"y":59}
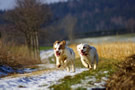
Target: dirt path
{"x":35,"y":80}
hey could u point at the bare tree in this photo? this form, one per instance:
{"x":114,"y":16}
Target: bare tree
{"x":69,"y":23}
{"x":130,"y":25}
{"x":28,"y":16}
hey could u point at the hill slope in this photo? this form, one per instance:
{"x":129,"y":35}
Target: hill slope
{"x":97,"y":14}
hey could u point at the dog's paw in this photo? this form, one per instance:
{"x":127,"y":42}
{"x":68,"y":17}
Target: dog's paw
{"x":73,"y":71}
{"x":94,"y":66}
{"x":89,"y":66}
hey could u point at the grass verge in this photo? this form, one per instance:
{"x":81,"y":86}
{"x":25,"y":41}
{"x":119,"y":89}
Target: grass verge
{"x":104,"y":65}
{"x":45,"y":48}
{"x":16,"y":56}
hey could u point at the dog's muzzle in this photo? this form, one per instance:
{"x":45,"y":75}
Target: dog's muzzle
{"x":57,"y":53}
{"x":83,"y":53}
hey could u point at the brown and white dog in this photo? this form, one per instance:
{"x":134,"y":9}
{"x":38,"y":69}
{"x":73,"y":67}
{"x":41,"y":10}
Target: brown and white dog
{"x":88,"y":55}
{"x":64,"y":55}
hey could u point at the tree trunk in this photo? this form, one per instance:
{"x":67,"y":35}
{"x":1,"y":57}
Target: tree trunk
{"x":28,"y":43}
{"x":37,"y":45}
{"x":33,"y":44}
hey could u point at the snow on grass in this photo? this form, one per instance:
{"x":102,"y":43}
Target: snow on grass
{"x":115,"y":38}
{"x":36,"y":82}
{"x":45,"y":66}
{"x":5,"y":70}
{"x":45,"y":55}
{"x":90,"y":82}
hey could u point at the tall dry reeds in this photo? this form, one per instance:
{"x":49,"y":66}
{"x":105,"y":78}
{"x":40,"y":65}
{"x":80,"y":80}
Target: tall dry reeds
{"x":115,"y":50}
{"x":15,"y":56}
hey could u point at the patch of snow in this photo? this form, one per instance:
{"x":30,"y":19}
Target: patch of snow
{"x":100,"y":84}
{"x":29,"y":70}
{"x":45,"y":66}
{"x":90,"y":82}
{"x":45,"y":55}
{"x":5,"y":70}
{"x":105,"y":39}
{"x":105,"y":72}
{"x":41,"y":82}
{"x":76,"y":86}
{"x":3,"y":74}
{"x":104,"y":78}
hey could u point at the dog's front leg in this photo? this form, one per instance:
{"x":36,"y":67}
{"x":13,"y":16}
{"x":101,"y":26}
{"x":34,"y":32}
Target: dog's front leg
{"x":68,"y":68}
{"x":89,"y":63}
{"x":84,"y":63}
{"x":58,"y":62}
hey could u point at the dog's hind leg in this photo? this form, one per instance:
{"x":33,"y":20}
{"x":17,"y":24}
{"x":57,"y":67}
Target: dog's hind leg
{"x":67,"y":65}
{"x":73,"y":66}
{"x":95,"y":61}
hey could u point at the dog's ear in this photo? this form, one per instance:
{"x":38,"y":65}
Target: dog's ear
{"x":77,"y":47}
{"x":55,"y":43}
{"x":88,"y":48}
{"x":63,"y":42}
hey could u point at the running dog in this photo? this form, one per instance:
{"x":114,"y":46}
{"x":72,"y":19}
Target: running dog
{"x":64,"y":55}
{"x":88,"y":55}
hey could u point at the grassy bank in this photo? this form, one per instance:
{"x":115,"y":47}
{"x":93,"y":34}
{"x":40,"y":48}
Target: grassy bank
{"x":105,"y":65}
{"x":124,"y":78}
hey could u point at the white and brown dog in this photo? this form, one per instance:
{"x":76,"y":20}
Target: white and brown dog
{"x":88,"y":55}
{"x":64,"y":55}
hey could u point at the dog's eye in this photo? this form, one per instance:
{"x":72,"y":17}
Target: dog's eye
{"x":60,"y":47}
{"x":84,"y":47}
{"x":55,"y":48}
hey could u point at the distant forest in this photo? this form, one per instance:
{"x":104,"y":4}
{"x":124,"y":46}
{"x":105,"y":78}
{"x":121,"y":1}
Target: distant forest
{"x":85,"y":18}
{"x":97,"y":15}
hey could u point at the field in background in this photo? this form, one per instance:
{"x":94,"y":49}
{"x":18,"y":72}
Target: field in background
{"x":114,"y":50}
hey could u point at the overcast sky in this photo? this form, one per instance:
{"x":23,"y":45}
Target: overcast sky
{"x":9,"y":4}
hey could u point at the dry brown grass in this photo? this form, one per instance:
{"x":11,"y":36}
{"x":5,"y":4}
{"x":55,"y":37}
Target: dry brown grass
{"x":115,"y":50}
{"x":124,"y":78}
{"x":15,"y":56}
